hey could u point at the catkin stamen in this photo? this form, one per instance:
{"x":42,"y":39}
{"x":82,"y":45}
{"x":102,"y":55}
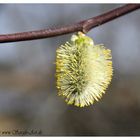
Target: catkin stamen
{"x":83,"y":70}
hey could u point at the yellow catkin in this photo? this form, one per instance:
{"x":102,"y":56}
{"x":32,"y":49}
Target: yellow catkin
{"x":83,"y":70}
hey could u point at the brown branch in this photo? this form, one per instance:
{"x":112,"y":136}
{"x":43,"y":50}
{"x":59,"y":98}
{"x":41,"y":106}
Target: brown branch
{"x":83,"y":26}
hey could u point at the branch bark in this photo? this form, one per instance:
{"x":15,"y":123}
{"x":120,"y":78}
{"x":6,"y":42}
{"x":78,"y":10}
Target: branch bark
{"x":84,"y":26}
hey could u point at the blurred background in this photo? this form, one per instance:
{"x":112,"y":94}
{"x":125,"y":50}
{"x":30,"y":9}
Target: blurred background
{"x":28,"y":95}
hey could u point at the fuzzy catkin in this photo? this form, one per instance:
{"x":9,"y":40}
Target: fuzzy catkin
{"x":83,"y":70}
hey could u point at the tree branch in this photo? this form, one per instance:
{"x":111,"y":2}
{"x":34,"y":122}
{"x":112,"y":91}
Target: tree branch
{"x":83,"y":26}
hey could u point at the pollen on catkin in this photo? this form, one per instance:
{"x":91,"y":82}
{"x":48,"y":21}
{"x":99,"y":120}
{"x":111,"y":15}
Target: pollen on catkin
{"x":83,"y":70}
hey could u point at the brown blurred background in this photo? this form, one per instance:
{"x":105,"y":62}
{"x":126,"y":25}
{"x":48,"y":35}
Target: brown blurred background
{"x":28,"y":96}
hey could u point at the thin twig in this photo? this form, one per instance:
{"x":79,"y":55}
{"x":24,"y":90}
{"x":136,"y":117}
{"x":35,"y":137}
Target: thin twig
{"x":83,"y":26}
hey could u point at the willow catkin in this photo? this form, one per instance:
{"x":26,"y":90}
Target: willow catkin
{"x":83,"y":70}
